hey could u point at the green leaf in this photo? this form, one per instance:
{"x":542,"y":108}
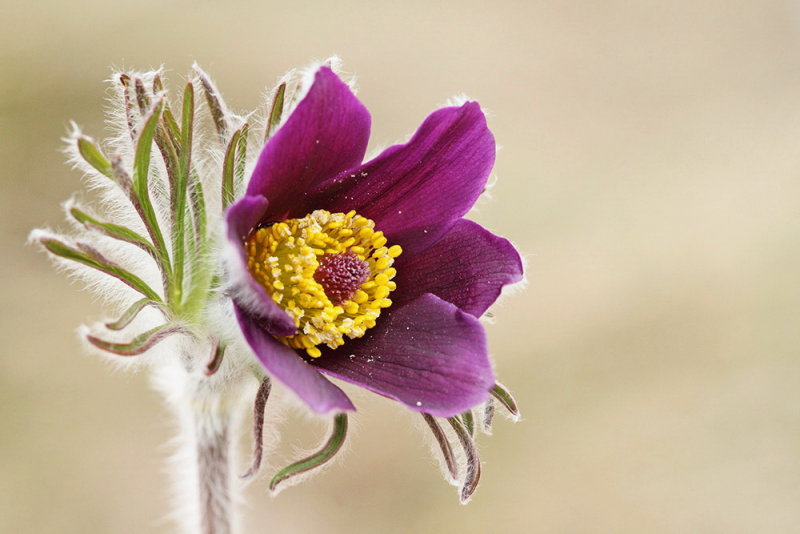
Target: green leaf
{"x":227,"y":170}
{"x":126,"y":183}
{"x":317,"y":459}
{"x":473,"y":475}
{"x":202,"y":273}
{"x":130,"y":314}
{"x":215,"y":104}
{"x":276,"y":111}
{"x":115,"y":231}
{"x":469,"y":422}
{"x":94,"y":156}
{"x":160,"y":134}
{"x":258,"y":427}
{"x":91,"y":258}
{"x":140,"y":343}
{"x":488,"y":415}
{"x":142,"y":98}
{"x":444,"y":445}
{"x":125,"y":82}
{"x":502,"y":394}
{"x":193,"y":186}
{"x":123,"y":179}
{"x":198,"y":205}
{"x":141,"y":171}
{"x":170,"y":156}
{"x":241,"y":157}
{"x":169,"y":119}
{"x":184,"y":166}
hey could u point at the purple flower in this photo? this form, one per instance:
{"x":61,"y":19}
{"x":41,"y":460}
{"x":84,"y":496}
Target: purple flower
{"x":367,"y":272}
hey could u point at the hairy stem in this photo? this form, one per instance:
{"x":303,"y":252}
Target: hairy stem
{"x":205,"y":484}
{"x":214,"y":478}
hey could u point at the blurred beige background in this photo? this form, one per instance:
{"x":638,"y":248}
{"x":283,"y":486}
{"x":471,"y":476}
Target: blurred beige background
{"x":650,"y":173}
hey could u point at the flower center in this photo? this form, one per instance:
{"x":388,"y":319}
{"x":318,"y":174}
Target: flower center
{"x":331,"y":272}
{"x":340,"y":275}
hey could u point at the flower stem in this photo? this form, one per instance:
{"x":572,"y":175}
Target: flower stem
{"x":214,"y":480}
{"x":205,"y":481}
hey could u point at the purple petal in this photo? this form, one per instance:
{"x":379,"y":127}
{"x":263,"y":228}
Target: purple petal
{"x":286,"y":365}
{"x":415,"y":192}
{"x":428,"y":354}
{"x":326,"y":134}
{"x":241,"y":218}
{"x":244,"y":215}
{"x":469,"y":267}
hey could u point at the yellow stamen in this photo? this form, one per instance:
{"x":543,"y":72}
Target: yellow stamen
{"x":284,"y":258}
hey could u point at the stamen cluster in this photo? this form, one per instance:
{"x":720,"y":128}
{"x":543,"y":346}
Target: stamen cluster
{"x":331,"y":272}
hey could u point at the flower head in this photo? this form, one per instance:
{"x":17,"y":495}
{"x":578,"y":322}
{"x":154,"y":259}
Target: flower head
{"x":321,"y":265}
{"x":367,"y":272}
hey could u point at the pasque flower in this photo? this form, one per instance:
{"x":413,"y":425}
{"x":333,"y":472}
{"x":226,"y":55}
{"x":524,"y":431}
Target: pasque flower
{"x":367,"y":272}
{"x":319,"y":265}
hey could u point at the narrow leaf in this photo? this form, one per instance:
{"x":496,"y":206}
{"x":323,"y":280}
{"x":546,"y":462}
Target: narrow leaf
{"x":167,"y":146}
{"x":142,"y":98}
{"x":444,"y":445}
{"x":130,"y":314}
{"x":227,"y":170}
{"x":125,"y":82}
{"x":488,"y":416}
{"x":126,"y":183}
{"x":141,"y":170}
{"x":160,"y":134}
{"x":317,"y":459}
{"x":215,"y":104}
{"x":194,"y":185}
{"x":502,"y":394}
{"x":184,"y":166}
{"x":122,"y":177}
{"x":258,"y":427}
{"x":140,"y":343}
{"x":197,"y":198}
{"x":276,"y":111}
{"x":241,"y":158}
{"x":158,"y":84}
{"x":468,"y":418}
{"x":473,"y":475}
{"x":168,"y":118}
{"x":141,"y":164}
{"x":91,"y":258}
{"x":114,"y":230}
{"x":170,"y":156}
{"x":94,"y":156}
{"x":198,"y":205}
